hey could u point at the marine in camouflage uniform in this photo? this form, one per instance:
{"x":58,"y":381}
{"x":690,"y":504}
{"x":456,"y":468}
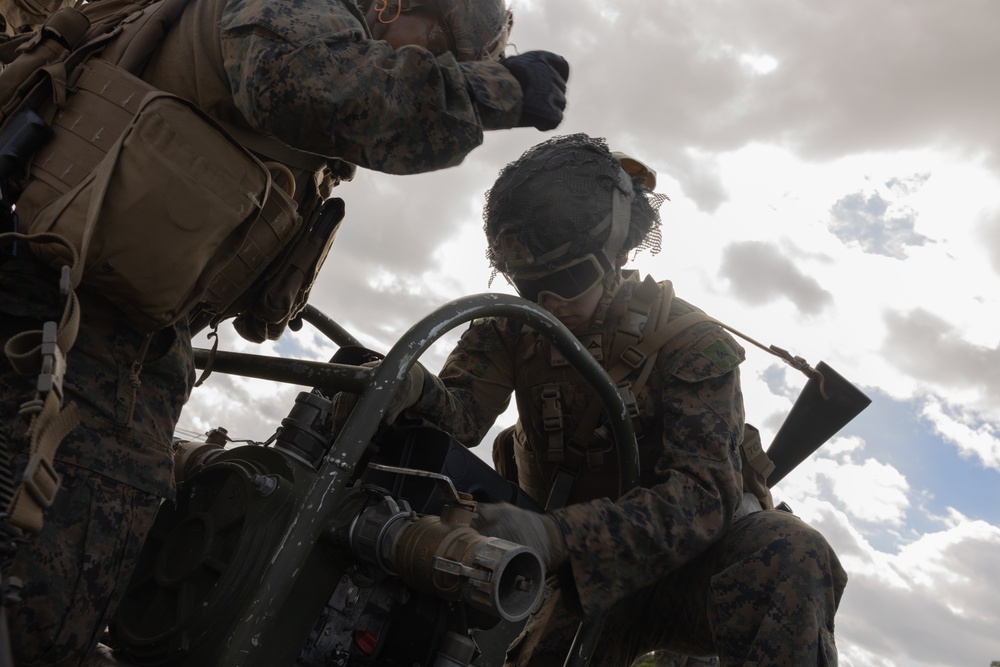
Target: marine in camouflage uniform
{"x":681,"y":563}
{"x":304,"y":75}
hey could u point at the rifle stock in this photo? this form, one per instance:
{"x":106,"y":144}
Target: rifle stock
{"x":813,"y":420}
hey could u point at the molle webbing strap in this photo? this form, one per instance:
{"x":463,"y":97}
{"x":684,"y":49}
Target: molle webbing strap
{"x":142,"y":33}
{"x":640,"y":304}
{"x":41,"y":66}
{"x":35,"y":70}
{"x":645,"y":296}
{"x":552,"y":420}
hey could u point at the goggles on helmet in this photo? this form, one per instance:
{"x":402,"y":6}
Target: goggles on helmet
{"x":566,"y":283}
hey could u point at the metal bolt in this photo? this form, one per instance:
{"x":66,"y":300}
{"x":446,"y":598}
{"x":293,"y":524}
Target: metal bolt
{"x":265,"y":484}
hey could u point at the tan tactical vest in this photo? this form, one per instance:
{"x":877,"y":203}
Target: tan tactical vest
{"x":552,"y":397}
{"x":558,"y":425}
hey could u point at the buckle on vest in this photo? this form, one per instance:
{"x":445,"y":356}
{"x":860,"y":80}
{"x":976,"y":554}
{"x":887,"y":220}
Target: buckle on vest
{"x":552,"y":417}
{"x":53,"y":362}
{"x":628,"y":397}
{"x":41,"y":480}
{"x":592,"y":454}
{"x":552,"y":421}
{"x":632,"y":357}
{"x":634,"y":320}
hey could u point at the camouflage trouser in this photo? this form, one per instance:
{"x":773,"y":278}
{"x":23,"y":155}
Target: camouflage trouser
{"x":671,"y":659}
{"x":764,"y":595}
{"x":113,"y":474}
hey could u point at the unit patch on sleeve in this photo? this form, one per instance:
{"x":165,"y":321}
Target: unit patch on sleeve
{"x":722,"y":354}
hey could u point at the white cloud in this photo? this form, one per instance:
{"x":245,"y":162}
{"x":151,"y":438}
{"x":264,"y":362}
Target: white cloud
{"x":932,"y":350}
{"x":869,"y":222}
{"x":872,"y":492}
{"x":933,"y":602}
{"x":968,"y":431}
{"x":989,"y":232}
{"x":759,"y":273}
{"x":759,"y":63}
{"x":864,"y":489}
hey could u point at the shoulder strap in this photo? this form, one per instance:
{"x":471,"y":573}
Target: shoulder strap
{"x":275,"y":149}
{"x":144,"y":24}
{"x":635,"y":320}
{"x":661,"y":336}
{"x":644,"y":353}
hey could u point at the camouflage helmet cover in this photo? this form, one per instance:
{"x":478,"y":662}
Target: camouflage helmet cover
{"x":566,"y":198}
{"x":480,"y":28}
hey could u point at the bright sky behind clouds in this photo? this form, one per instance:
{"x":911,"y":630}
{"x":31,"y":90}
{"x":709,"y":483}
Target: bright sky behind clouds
{"x":833,"y":170}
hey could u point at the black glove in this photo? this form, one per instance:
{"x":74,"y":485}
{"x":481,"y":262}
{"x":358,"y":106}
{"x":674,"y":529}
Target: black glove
{"x":511,"y":523}
{"x":543,"y":77}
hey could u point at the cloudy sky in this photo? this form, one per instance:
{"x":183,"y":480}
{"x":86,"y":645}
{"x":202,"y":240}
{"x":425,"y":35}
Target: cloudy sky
{"x":833,"y":171}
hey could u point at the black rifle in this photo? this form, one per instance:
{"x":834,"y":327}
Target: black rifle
{"x":823,"y":408}
{"x":19,"y":139}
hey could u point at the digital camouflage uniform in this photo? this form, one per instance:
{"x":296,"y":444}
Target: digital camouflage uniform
{"x":115,"y":466}
{"x":666,"y":561}
{"x":306,"y":73}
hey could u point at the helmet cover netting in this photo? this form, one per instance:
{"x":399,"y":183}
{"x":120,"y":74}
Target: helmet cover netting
{"x":556,"y":194}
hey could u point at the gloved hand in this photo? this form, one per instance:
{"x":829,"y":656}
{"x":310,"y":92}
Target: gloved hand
{"x":511,"y":523}
{"x":543,"y":77}
{"x":407,"y":394}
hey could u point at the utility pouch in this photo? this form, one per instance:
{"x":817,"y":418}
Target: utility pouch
{"x":756,"y":466}
{"x":503,"y":454}
{"x":184,"y":210}
{"x":264,"y":311}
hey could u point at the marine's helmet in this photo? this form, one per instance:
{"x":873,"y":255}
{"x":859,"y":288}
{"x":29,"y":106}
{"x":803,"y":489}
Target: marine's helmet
{"x":480,"y":28}
{"x":559,"y":217}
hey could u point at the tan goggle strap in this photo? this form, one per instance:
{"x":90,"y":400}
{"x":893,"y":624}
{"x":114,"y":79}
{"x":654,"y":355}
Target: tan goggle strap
{"x":621,"y":216}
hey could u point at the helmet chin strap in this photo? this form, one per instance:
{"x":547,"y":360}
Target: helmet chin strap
{"x":621,"y":217}
{"x":612,"y":283}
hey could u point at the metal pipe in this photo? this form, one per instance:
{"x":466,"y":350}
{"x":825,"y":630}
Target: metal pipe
{"x":290,"y":371}
{"x":328,"y":327}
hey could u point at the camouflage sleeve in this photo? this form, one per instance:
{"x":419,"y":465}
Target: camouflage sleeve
{"x":619,"y":547}
{"x":475,"y":383}
{"x":21,"y":16}
{"x":308,"y":73}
